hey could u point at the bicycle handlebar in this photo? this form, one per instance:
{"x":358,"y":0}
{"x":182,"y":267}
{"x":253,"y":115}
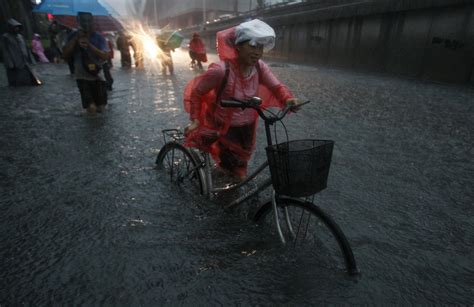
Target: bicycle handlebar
{"x":255,"y":103}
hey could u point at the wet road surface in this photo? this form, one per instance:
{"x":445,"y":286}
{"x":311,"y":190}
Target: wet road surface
{"x":86,"y":219}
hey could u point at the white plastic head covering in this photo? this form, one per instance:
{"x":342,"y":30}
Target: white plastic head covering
{"x":257,"y":33}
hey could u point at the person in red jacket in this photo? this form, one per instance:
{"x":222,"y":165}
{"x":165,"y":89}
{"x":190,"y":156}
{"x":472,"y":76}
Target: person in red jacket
{"x":197,"y":51}
{"x":229,"y":133}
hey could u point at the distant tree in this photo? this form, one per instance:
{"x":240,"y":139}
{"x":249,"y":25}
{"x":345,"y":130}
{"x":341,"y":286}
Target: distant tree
{"x":261,"y":4}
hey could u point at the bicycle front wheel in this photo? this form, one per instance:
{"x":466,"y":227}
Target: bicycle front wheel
{"x":182,"y":167}
{"x":309,"y":231}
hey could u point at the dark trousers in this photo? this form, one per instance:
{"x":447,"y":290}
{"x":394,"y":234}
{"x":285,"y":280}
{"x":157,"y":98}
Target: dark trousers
{"x":70,"y":64}
{"x":236,"y":160}
{"x":19,"y":76}
{"x":108,"y":76}
{"x":92,"y":91}
{"x":126,"y":59}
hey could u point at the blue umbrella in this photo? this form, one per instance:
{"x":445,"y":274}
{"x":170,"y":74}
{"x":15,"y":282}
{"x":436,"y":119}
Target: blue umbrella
{"x":65,"y":11}
{"x":71,"y":7}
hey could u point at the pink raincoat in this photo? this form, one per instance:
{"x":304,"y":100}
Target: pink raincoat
{"x":215,"y":121}
{"x":37,"y":48}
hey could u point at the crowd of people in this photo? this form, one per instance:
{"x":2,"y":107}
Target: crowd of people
{"x":239,"y":74}
{"x":59,"y":35}
{"x":88,"y":54}
{"x":19,"y":57}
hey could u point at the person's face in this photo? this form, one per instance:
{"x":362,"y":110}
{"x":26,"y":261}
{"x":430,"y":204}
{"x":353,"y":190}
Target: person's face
{"x":85,"y":21}
{"x":248,"y":54}
{"x":17,"y":29}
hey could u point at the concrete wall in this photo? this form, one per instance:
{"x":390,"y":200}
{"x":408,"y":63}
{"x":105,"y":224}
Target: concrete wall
{"x":431,"y":40}
{"x":190,"y":12}
{"x":431,"y":43}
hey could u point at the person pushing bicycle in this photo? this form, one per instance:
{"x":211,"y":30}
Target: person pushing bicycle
{"x":229,"y":134}
{"x":224,"y":111}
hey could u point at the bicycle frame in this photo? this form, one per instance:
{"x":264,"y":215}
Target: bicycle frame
{"x":205,"y":159}
{"x":279,"y":204}
{"x":230,"y":187}
{"x":260,"y":187}
{"x":176,"y":135}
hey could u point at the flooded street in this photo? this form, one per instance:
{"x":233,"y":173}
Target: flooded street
{"x":86,"y":219}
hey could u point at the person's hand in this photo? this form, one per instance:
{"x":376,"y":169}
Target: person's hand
{"x":293,"y":103}
{"x":83,"y":42}
{"x":193,"y":125}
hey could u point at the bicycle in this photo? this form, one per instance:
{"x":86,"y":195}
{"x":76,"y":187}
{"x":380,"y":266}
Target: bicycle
{"x":286,"y":213}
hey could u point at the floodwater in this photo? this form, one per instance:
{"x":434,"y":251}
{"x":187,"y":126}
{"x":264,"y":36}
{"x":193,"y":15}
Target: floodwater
{"x":87,"y":219}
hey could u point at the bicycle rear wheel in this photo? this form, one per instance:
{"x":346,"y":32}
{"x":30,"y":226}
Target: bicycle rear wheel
{"x":309,"y":231}
{"x":182,"y":167}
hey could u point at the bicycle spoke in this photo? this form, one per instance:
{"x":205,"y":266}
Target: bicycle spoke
{"x":180,"y":167}
{"x":171,"y":168}
{"x":303,"y":224}
{"x":314,"y":236}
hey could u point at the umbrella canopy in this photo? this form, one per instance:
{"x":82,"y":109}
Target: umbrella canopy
{"x":71,"y":7}
{"x":65,"y":11}
{"x":101,"y":23}
{"x":171,"y":39}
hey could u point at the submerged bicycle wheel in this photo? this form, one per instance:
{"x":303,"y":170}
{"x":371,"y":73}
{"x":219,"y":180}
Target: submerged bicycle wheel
{"x":181,"y":167}
{"x":309,"y":232}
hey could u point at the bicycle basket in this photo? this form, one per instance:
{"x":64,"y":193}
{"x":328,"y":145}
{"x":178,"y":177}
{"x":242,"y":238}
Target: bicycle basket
{"x":300,"y":168}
